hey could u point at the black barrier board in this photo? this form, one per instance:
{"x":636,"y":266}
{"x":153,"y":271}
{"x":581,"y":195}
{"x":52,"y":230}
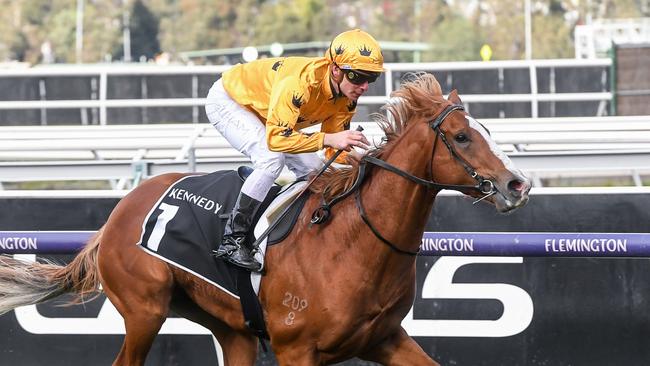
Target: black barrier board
{"x":481,"y":311}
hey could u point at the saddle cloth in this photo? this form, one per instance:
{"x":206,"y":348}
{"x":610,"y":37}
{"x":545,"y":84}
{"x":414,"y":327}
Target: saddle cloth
{"x":187,"y":223}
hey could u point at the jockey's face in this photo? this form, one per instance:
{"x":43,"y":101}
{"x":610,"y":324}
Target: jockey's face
{"x":351,"y":90}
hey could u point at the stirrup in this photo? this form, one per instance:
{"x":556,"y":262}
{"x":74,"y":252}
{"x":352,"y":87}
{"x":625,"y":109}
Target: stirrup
{"x":229,"y":246}
{"x":223,"y":251}
{"x":247,"y":262}
{"x":235,"y":252}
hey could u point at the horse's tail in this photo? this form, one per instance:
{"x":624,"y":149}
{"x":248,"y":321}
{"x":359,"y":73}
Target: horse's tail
{"x":26,"y":283}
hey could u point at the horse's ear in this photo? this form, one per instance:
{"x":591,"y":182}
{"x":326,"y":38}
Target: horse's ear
{"x":454,"y":98}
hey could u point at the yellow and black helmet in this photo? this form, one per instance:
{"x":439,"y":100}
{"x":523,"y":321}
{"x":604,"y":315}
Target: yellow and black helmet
{"x":356,"y":50}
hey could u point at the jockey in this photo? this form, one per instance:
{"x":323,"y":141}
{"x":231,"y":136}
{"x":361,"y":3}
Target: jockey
{"x":260,"y":108}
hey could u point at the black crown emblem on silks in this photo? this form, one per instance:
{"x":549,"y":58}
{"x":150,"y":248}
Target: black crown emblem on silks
{"x":287,"y":132}
{"x":352,"y":105}
{"x":296,"y":100}
{"x":365,"y":51}
{"x":339,"y":50}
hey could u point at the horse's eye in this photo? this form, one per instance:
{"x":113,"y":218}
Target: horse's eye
{"x":461,"y":138}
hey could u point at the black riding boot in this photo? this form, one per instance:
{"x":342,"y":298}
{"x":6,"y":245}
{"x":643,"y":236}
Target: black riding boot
{"x":235,"y":248}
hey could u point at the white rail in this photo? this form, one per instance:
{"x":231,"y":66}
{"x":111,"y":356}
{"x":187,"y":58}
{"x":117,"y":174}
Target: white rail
{"x":102,"y":73}
{"x":519,"y":134}
{"x":543,"y":146}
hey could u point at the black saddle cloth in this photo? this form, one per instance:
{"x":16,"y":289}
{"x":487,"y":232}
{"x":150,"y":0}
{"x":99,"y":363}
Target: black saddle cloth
{"x":188,"y":222}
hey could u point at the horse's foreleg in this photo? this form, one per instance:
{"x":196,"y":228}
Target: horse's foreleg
{"x":399,"y":350}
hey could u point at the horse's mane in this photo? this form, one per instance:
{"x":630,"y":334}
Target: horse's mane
{"x":417,"y":97}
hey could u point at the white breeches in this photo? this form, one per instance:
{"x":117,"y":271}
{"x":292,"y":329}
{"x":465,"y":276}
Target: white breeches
{"x":246,"y":133}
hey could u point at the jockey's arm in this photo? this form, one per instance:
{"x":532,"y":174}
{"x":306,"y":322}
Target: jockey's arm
{"x":284,"y":110}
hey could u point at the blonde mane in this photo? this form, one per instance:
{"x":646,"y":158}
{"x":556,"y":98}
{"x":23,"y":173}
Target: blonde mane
{"x":419,"y":96}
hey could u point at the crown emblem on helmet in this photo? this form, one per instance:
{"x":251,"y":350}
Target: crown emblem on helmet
{"x":276,"y":65}
{"x":365,"y":51}
{"x":339,"y":50}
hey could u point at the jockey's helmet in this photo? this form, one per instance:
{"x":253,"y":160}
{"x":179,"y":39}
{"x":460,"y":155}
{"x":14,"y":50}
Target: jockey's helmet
{"x":355,"y":50}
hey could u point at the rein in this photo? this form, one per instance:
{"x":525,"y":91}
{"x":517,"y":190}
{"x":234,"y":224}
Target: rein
{"x":485,"y":186}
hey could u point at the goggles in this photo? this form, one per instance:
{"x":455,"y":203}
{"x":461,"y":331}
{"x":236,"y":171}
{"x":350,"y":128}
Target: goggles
{"x":358,"y":77}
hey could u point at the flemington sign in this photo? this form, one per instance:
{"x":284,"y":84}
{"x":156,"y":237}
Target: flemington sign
{"x":525,"y":244}
{"x":43,"y":242}
{"x":536,"y":244}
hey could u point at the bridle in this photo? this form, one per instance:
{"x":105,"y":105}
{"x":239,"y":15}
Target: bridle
{"x":483,"y":185}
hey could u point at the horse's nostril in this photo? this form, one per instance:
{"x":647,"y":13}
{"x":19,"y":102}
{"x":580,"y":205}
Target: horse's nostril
{"x":517,"y":185}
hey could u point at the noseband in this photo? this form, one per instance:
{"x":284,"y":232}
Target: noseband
{"x":483,"y":185}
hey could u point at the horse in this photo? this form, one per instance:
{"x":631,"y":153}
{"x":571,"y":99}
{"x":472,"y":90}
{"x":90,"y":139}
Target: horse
{"x":331,"y":291}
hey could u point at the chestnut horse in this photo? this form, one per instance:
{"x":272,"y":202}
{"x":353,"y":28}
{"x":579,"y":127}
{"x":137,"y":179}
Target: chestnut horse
{"x":353,"y":276}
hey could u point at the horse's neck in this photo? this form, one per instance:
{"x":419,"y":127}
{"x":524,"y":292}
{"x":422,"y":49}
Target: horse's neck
{"x":398,"y":205}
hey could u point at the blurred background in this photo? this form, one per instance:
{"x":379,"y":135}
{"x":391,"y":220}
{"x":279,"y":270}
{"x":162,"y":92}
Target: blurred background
{"x":91,"y":31}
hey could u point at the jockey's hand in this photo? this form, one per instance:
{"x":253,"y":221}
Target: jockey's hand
{"x":353,"y":157}
{"x":346,"y":140}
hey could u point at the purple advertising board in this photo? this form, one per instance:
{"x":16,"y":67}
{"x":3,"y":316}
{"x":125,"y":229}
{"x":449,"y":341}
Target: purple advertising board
{"x":516,"y":244}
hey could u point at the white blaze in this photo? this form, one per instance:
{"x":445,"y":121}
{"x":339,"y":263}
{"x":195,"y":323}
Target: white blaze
{"x":493,"y":145}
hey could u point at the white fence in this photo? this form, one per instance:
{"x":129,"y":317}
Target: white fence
{"x":562,"y":147}
{"x":126,"y":153}
{"x":103,"y":103}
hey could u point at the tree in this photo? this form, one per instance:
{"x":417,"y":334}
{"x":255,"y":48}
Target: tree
{"x":61,"y":35}
{"x":455,"y":35}
{"x":291,"y":21}
{"x":143,"y":29}
{"x":552,"y":34}
{"x":188,"y":25}
{"x":455,"y":29}
{"x":102,"y":30}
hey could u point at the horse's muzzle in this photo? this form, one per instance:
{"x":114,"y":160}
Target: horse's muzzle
{"x":513,"y":193}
